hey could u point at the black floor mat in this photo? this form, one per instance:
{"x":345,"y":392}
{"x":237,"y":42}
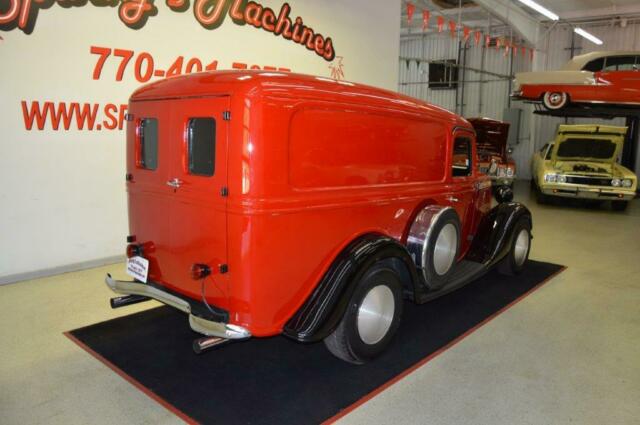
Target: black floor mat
{"x":277,"y":380}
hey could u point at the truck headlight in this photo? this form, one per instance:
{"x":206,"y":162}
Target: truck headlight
{"x":510,"y":172}
{"x":561,"y":178}
{"x":550,"y":178}
{"x":615,"y":182}
{"x":627,"y":183}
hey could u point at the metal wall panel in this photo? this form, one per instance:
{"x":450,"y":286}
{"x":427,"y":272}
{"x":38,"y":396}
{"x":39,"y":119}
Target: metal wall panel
{"x":491,"y":97}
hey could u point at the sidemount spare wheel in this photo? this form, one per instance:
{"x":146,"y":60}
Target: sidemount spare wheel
{"x":434,"y":243}
{"x":554,"y":101}
{"x":372,"y":317}
{"x":513,"y":263}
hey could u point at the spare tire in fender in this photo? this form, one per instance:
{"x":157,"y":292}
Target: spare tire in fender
{"x":434,"y":243}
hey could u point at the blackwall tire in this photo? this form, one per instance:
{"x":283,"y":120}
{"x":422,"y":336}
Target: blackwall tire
{"x":513,"y":263}
{"x":619,"y":205}
{"x":555,"y":101}
{"x":371,"y":319}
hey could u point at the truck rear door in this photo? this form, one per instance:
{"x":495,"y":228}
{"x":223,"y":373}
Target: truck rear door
{"x":177,"y":201}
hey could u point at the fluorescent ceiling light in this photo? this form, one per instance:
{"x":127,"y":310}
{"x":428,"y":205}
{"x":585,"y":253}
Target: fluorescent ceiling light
{"x":592,"y":38}
{"x":540,"y":9}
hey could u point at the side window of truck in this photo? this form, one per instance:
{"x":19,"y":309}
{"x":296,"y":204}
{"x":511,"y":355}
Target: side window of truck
{"x":148,"y":131}
{"x":461,"y":157}
{"x":201,"y":142}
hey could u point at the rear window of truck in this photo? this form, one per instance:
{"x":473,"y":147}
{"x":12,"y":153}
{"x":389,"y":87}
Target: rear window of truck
{"x":461,"y":164}
{"x":148,"y":143}
{"x":202,"y":146}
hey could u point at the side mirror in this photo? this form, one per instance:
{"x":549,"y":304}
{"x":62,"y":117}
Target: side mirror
{"x":504,"y":194}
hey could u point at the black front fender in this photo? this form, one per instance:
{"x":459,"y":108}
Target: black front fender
{"x":494,"y":235}
{"x":322,"y":311}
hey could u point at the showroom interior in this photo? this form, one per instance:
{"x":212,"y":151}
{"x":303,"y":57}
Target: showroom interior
{"x":348,"y":211}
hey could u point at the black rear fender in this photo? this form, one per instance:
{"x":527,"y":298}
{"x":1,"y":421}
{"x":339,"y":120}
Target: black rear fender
{"x":322,"y":311}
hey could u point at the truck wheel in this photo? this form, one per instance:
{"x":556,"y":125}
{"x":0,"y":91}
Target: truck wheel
{"x":541,"y":198}
{"x":554,"y":101}
{"x":619,"y":205}
{"x":371,"y":319}
{"x":513,"y":263}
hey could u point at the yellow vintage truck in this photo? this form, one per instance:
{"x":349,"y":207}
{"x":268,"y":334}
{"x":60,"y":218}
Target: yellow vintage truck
{"x":582,"y":163}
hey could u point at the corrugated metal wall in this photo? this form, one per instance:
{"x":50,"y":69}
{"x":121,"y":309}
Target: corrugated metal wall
{"x":490,"y":98}
{"x":484,"y":94}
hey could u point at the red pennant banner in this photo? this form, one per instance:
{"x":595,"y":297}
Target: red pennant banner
{"x":523,"y":51}
{"x":452,"y":28}
{"x":440,"y":23}
{"x":426,"y":15}
{"x":487,"y":41}
{"x":410,"y":9}
{"x":466,"y":32}
{"x":477,"y":37}
{"x":498,"y":43}
{"x":531,"y":54}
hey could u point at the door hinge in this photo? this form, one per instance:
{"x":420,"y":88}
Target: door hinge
{"x":226,"y":115}
{"x":224,"y":191}
{"x":224,"y":268}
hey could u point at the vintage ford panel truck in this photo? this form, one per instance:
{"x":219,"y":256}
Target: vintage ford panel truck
{"x":264,"y":203}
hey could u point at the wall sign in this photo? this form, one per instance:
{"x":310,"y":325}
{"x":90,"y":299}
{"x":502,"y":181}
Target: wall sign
{"x":209,"y":13}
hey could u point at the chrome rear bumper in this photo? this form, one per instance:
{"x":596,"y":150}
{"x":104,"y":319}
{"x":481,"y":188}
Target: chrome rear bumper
{"x":198,"y":324}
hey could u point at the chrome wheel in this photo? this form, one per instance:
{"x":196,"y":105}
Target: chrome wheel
{"x":375,"y":314}
{"x":555,"y":100}
{"x":521,"y":248}
{"x":444,"y":252}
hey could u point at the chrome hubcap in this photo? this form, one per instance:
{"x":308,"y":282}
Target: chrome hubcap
{"x":376,"y":314}
{"x":521,"y":249}
{"x":444,"y":252}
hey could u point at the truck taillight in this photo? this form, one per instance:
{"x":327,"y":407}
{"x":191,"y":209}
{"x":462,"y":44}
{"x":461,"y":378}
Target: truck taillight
{"x":134,"y":250}
{"x":200,"y":271}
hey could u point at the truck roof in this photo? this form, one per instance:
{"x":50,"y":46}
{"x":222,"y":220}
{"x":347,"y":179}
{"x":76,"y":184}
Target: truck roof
{"x":214,"y":83}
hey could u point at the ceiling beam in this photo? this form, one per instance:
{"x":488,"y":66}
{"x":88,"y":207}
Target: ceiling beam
{"x":604,"y":12}
{"x":507,"y":11}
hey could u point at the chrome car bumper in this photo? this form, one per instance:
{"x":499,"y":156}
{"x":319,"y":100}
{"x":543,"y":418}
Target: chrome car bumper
{"x":585,"y":192}
{"x":198,"y":324}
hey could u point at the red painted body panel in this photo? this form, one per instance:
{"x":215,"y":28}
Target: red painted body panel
{"x":617,"y":87}
{"x":292,"y":205}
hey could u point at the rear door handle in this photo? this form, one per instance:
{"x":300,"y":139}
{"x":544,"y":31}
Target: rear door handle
{"x":174,"y":183}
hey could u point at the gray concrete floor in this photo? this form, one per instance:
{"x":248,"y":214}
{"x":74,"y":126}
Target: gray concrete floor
{"x":568,"y":353}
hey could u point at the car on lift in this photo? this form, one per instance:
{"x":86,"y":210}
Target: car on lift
{"x":494,"y":157}
{"x":582,"y":163}
{"x":267,"y":203}
{"x":593,"y":78}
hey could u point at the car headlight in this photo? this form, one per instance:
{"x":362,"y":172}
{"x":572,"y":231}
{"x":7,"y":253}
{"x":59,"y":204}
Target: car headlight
{"x":550,"y":178}
{"x":615,"y":182}
{"x":561,"y":178}
{"x":509,"y":171}
{"x":627,"y":183}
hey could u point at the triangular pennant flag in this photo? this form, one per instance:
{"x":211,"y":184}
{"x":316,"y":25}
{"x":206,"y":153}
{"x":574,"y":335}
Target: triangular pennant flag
{"x":466,"y":32}
{"x":440,"y":23}
{"x":498,"y":43}
{"x":452,"y":28}
{"x":523,"y":51}
{"x":426,"y":15}
{"x":477,"y":36}
{"x":487,"y":41}
{"x":410,"y":9}
{"x":531,"y":54}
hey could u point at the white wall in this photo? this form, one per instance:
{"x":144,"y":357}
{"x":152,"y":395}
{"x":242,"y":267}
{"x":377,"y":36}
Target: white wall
{"x":62,"y":196}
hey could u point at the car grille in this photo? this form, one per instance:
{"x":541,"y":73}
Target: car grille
{"x":591,"y":181}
